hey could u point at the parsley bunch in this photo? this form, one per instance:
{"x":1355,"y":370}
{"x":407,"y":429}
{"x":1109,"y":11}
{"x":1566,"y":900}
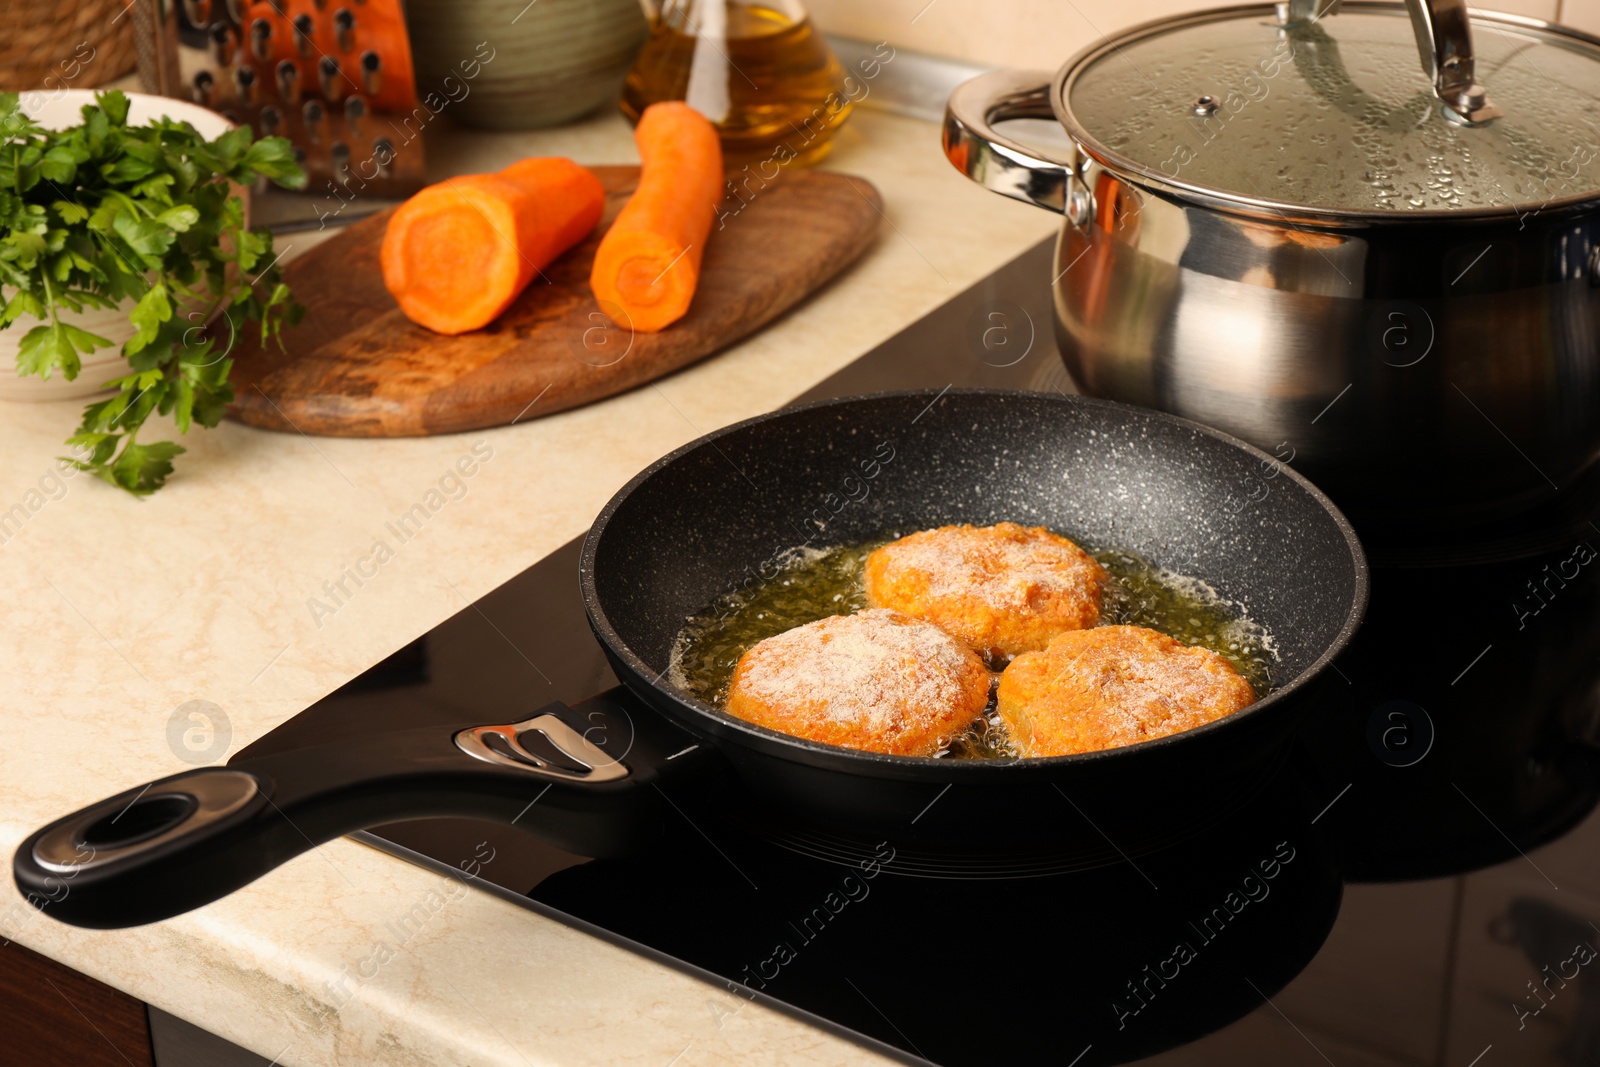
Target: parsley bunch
{"x":104,"y":213}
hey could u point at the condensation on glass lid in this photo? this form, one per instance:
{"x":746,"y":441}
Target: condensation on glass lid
{"x":1339,"y":115}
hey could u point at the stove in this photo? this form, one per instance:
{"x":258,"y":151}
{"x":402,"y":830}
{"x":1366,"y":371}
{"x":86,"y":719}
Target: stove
{"x":1418,"y":882}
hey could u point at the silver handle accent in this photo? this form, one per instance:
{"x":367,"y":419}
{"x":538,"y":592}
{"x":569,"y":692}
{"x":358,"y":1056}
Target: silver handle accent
{"x":177,"y":807}
{"x":1444,"y":44}
{"x":1304,"y":12}
{"x":1002,"y":164}
{"x":503,"y":746}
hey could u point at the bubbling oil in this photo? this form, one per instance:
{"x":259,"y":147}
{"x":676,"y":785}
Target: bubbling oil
{"x":811,"y":584}
{"x":1188,"y":610}
{"x":817,"y":583}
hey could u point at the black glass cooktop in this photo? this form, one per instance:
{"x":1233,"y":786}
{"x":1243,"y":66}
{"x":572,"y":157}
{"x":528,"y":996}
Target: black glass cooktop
{"x":1418,"y":883}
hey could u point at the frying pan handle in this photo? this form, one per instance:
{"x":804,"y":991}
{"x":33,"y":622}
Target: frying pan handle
{"x":153,"y":851}
{"x":581,"y":778}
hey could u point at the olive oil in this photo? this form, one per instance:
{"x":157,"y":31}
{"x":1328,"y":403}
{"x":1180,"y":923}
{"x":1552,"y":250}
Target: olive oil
{"x":759,"y":71}
{"x":813,"y":584}
{"x":816,"y":583}
{"x":1142,"y":594}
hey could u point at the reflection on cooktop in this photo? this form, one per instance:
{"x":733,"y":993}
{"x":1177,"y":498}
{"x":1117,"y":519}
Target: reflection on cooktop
{"x":1122,"y":961}
{"x":1419,"y":884}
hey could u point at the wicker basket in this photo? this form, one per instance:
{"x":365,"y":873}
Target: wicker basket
{"x":67,"y":44}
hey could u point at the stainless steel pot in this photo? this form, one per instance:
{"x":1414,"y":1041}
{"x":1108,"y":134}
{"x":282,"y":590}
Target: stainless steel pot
{"x":1431,"y":359}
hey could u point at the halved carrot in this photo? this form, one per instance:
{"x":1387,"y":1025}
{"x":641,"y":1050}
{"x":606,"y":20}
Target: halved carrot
{"x":458,"y":253}
{"x":648,"y":263}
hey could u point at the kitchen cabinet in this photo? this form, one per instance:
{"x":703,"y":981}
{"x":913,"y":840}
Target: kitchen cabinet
{"x":50,"y":1013}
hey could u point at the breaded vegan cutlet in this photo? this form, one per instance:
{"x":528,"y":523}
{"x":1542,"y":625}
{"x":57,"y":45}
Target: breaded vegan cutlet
{"x":1003,"y":589}
{"x":1113,"y":686}
{"x":877,"y":681}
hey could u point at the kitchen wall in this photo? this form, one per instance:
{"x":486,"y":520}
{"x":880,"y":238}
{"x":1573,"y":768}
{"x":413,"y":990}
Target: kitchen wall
{"x":1043,"y":33}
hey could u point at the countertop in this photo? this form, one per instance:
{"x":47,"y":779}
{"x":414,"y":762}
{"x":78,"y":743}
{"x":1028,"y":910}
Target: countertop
{"x":118,"y":612}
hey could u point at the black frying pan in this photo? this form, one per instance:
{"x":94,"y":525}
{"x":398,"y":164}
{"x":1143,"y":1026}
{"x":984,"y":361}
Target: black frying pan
{"x":712,"y":519}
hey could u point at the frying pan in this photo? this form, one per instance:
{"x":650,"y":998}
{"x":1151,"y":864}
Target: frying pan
{"x":704,"y":526}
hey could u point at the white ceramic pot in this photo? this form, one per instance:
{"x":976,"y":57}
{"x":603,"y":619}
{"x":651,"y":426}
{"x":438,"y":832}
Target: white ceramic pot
{"x":57,"y":111}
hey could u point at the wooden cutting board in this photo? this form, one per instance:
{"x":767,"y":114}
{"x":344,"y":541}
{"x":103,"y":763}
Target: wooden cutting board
{"x":357,"y":367}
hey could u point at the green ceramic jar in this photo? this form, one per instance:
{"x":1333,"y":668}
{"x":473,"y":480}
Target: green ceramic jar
{"x":516,"y":65}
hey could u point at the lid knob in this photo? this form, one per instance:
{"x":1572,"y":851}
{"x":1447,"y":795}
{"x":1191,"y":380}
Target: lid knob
{"x":1444,"y":42}
{"x":1304,"y":12}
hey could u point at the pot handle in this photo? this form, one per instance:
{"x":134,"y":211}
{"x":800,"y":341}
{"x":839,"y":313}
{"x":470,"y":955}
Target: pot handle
{"x":1444,"y":44}
{"x":1002,"y":164}
{"x":165,"y":848}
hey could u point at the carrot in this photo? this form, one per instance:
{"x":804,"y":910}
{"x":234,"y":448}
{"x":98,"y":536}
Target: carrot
{"x":458,"y":253}
{"x":648,"y":263}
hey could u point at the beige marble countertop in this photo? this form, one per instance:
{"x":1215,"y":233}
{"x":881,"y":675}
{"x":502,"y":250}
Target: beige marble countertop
{"x":117,"y":611}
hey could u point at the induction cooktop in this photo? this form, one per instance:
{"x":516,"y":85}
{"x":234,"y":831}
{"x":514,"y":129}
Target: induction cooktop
{"x":1418,"y":883}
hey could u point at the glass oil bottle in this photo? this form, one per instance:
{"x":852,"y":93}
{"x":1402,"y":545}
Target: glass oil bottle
{"x":760,"y":71}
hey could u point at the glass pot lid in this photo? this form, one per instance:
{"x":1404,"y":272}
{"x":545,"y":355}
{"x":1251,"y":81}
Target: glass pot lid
{"x":1335,"y":113}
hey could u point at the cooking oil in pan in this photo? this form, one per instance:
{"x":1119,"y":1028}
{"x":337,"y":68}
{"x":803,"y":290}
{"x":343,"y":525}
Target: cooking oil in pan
{"x":816,"y":583}
{"x":1142,"y":594}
